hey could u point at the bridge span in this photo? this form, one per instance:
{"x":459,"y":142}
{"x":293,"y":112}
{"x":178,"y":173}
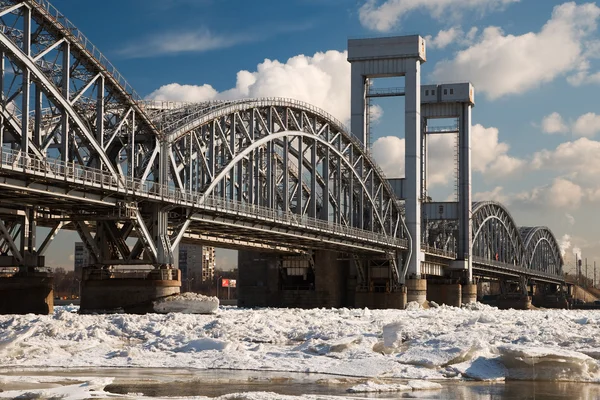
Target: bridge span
{"x":282,"y":180}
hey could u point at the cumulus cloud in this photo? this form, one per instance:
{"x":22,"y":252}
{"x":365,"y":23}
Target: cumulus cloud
{"x":388,"y":151}
{"x":444,"y":38}
{"x":554,"y":123}
{"x":578,"y":159}
{"x":321,"y":80}
{"x":561,"y":194}
{"x":385,"y":16}
{"x":500,"y":64}
{"x":489,"y":156}
{"x":495,"y":194}
{"x":587,"y":125}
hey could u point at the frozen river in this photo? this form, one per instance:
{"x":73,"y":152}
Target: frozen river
{"x":477,"y":352}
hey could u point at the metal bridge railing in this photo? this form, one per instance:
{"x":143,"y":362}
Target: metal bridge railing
{"x":91,"y":177}
{"x":515,"y":268}
{"x":438,"y":252}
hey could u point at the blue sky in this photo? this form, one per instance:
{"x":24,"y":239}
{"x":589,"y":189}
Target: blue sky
{"x":534,"y":63}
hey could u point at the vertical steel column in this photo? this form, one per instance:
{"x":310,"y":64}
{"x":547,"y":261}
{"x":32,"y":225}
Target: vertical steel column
{"x":211,"y":153}
{"x":232,"y":139}
{"x":326,"y":180}
{"x":350,"y":198}
{"x":100,"y":115}
{"x":26,"y":81}
{"x":132,"y":153}
{"x":286,"y":174}
{"x":66,"y":77}
{"x":465,"y":223}
{"x":312,"y":207}
{"x":412,"y":132}
{"x":361,"y":195}
{"x":269,"y":173}
{"x":37,"y":129}
{"x":358,"y":103}
{"x":424,"y":159}
{"x":300,"y":173}
{"x":338,"y":183}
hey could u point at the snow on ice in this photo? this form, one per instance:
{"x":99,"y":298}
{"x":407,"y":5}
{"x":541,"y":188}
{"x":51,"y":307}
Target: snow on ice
{"x":477,"y":342}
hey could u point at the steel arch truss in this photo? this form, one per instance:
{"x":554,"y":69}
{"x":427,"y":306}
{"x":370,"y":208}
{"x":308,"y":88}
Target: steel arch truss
{"x":495,"y":234}
{"x":286,"y":156}
{"x":61,"y":99}
{"x":542,"y":251}
{"x":499,"y":244}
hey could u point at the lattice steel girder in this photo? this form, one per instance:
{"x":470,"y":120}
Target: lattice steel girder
{"x":300,"y":237}
{"x":251,"y":123}
{"x":20,"y":226}
{"x":496,"y":238}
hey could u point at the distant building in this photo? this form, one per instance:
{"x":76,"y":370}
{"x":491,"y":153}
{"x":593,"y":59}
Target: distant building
{"x":197,"y":264}
{"x":81,"y":258}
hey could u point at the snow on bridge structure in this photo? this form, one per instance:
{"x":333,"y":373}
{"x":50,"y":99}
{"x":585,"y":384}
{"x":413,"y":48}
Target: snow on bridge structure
{"x":279,"y":179}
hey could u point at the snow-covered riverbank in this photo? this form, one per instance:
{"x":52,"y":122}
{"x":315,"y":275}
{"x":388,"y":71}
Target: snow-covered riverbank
{"x":479,"y":342}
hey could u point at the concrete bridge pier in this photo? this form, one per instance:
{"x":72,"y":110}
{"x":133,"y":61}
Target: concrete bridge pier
{"x":416,"y":290}
{"x":469,"y":293}
{"x":26,"y":291}
{"x":130,"y":291}
{"x":316,"y":279}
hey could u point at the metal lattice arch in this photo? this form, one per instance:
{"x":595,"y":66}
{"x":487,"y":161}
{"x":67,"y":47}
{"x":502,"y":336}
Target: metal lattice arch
{"x":280,"y":154}
{"x":542,"y":251}
{"x":496,"y":238}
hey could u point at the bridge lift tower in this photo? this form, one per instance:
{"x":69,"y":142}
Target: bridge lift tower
{"x":395,"y":57}
{"x":451,"y":101}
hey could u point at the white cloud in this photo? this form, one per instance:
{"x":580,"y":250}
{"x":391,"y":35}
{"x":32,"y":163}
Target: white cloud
{"x":447,"y":37}
{"x":489,"y":156}
{"x":375,"y":113}
{"x":500,"y":64}
{"x":196,"y":41}
{"x":565,"y":194}
{"x":388,"y":151}
{"x":384,"y":16}
{"x":561,"y":194}
{"x":579,"y":159}
{"x":554,"y":123}
{"x":494,"y":194}
{"x":587,"y":125}
{"x":177,"y":92}
{"x":444,"y":38}
{"x":321,"y":80}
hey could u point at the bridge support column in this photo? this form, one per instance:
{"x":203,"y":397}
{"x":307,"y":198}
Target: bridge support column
{"x":469,"y":293}
{"x":130,"y":292}
{"x":25,"y":285}
{"x":25,"y":293}
{"x":416,"y":290}
{"x":449,"y":294}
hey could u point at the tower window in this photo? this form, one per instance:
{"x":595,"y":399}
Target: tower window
{"x":445,"y":91}
{"x":451,"y":91}
{"x":427,"y":93}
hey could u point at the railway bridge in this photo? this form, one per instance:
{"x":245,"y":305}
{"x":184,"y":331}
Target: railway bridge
{"x":284,"y":182}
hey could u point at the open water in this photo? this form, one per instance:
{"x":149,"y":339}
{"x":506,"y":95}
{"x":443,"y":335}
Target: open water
{"x":148,"y":383}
